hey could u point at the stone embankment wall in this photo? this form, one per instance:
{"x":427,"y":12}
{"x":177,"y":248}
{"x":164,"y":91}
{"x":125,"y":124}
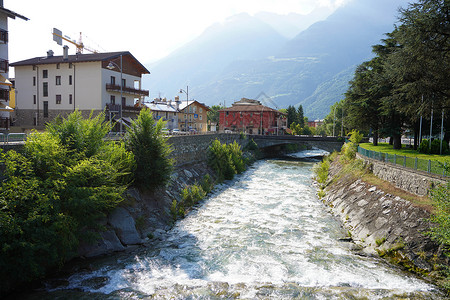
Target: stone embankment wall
{"x":188,"y":149}
{"x":146,"y":215}
{"x":407,"y":179}
{"x":383,"y":223}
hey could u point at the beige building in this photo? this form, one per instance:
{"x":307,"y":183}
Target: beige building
{"x":193,"y":115}
{"x":6,"y":101}
{"x":51,"y":86}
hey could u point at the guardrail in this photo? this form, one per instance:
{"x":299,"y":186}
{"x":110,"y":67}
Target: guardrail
{"x":425,"y":165}
{"x":12,"y":137}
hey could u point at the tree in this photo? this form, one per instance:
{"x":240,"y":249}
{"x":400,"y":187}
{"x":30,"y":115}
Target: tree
{"x":151,"y":151}
{"x":292,"y":116}
{"x":213,"y":114}
{"x":300,"y":116}
{"x":420,"y":66}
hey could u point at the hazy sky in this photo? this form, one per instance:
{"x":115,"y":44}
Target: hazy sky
{"x":149,"y":29}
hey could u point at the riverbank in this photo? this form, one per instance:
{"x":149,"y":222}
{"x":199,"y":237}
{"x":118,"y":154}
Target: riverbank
{"x":381,"y":221}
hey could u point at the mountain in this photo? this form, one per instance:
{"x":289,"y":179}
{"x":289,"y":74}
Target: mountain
{"x":240,"y":37}
{"x":247,"y":56}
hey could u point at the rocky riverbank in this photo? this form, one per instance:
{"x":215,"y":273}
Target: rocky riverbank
{"x":143,"y":215}
{"x":382,"y":223}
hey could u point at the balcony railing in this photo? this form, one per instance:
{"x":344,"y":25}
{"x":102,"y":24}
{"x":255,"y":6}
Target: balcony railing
{"x":126,"y":89}
{"x":4,"y":94}
{"x":113,"y":107}
{"x":116,"y":108}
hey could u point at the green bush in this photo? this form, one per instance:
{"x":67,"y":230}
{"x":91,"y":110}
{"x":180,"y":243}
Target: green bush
{"x":350,"y":148}
{"x":53,"y":193}
{"x":151,"y":151}
{"x":192,"y":194}
{"x":226,"y":160}
{"x":424,"y":147}
{"x":251,"y":146}
{"x":207,"y":183}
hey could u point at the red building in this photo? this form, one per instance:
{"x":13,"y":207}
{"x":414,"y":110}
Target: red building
{"x":250,"y":116}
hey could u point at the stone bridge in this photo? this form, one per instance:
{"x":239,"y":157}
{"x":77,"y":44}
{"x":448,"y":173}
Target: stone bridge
{"x":329,"y":144}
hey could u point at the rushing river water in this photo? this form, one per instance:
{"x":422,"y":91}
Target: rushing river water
{"x":265,"y":235}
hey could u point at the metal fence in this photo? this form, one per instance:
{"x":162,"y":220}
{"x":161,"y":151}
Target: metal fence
{"x":429,"y":166}
{"x":12,"y":137}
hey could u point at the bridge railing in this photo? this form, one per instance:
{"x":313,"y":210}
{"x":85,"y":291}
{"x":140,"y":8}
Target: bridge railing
{"x":425,"y":165}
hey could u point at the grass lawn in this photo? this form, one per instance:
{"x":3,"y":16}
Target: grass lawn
{"x":407,"y":157}
{"x":386,"y":148}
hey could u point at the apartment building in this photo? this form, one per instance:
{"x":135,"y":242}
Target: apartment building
{"x":52,"y":86}
{"x":193,"y":116}
{"x":6,"y":107}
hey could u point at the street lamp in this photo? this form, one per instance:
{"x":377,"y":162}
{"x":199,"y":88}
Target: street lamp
{"x":187,"y":104}
{"x":111,"y":66}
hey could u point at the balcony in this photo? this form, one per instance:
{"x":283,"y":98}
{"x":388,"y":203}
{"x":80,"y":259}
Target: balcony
{"x":126,"y":89}
{"x":115,"y":108}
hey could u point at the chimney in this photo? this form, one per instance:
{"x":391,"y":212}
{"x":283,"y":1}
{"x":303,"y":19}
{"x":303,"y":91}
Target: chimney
{"x":66,"y":52}
{"x":50,"y":53}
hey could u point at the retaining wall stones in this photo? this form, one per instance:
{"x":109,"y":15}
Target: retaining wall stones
{"x":407,"y":179}
{"x":380,"y":222}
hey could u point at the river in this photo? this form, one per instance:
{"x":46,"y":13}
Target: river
{"x":265,"y":235}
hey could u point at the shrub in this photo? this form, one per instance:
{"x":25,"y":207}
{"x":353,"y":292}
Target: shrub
{"x":219,"y":159}
{"x":151,"y":151}
{"x":349,"y":149}
{"x":207,"y":183}
{"x":251,"y":146}
{"x":424,"y":147}
{"x":53,"y":193}
{"x":192,"y":194}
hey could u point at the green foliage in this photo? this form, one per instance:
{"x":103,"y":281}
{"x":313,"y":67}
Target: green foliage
{"x":53,"y":193}
{"x":350,"y":148}
{"x":192,"y":194}
{"x":321,"y":171}
{"x":441,"y":216}
{"x":151,"y":151}
{"x":207,"y":183}
{"x":251,"y":146}
{"x":424,"y":147}
{"x":226,"y":160}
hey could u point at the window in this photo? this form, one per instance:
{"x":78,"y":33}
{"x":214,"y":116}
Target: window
{"x":70,"y":65}
{"x":70,"y":99}
{"x":113,"y":80}
{"x":58,"y":80}
{"x":45,"y":109}
{"x":200,"y":110}
{"x":113,"y":99}
{"x":44,"y":73}
{"x":124,"y":101}
{"x":34,"y":68}
{"x":34,"y":80}
{"x":58,"y":99}
{"x":34,"y":99}
{"x":124,"y":82}
{"x":70,"y":79}
{"x":58,"y":66}
{"x":45,"y":89}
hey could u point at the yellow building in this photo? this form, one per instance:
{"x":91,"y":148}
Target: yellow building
{"x":193,"y":116}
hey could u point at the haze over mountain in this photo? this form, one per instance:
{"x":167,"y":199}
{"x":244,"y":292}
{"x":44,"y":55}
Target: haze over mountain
{"x":249,"y":55}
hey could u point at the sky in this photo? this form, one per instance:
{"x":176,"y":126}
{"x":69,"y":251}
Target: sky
{"x":149,"y":29}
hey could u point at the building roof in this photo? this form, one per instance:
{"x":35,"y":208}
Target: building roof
{"x":161,"y":106}
{"x":12,"y":14}
{"x":77,"y":58}
{"x":249,"y":105}
{"x":185,"y":103}
{"x":250,"y":108}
